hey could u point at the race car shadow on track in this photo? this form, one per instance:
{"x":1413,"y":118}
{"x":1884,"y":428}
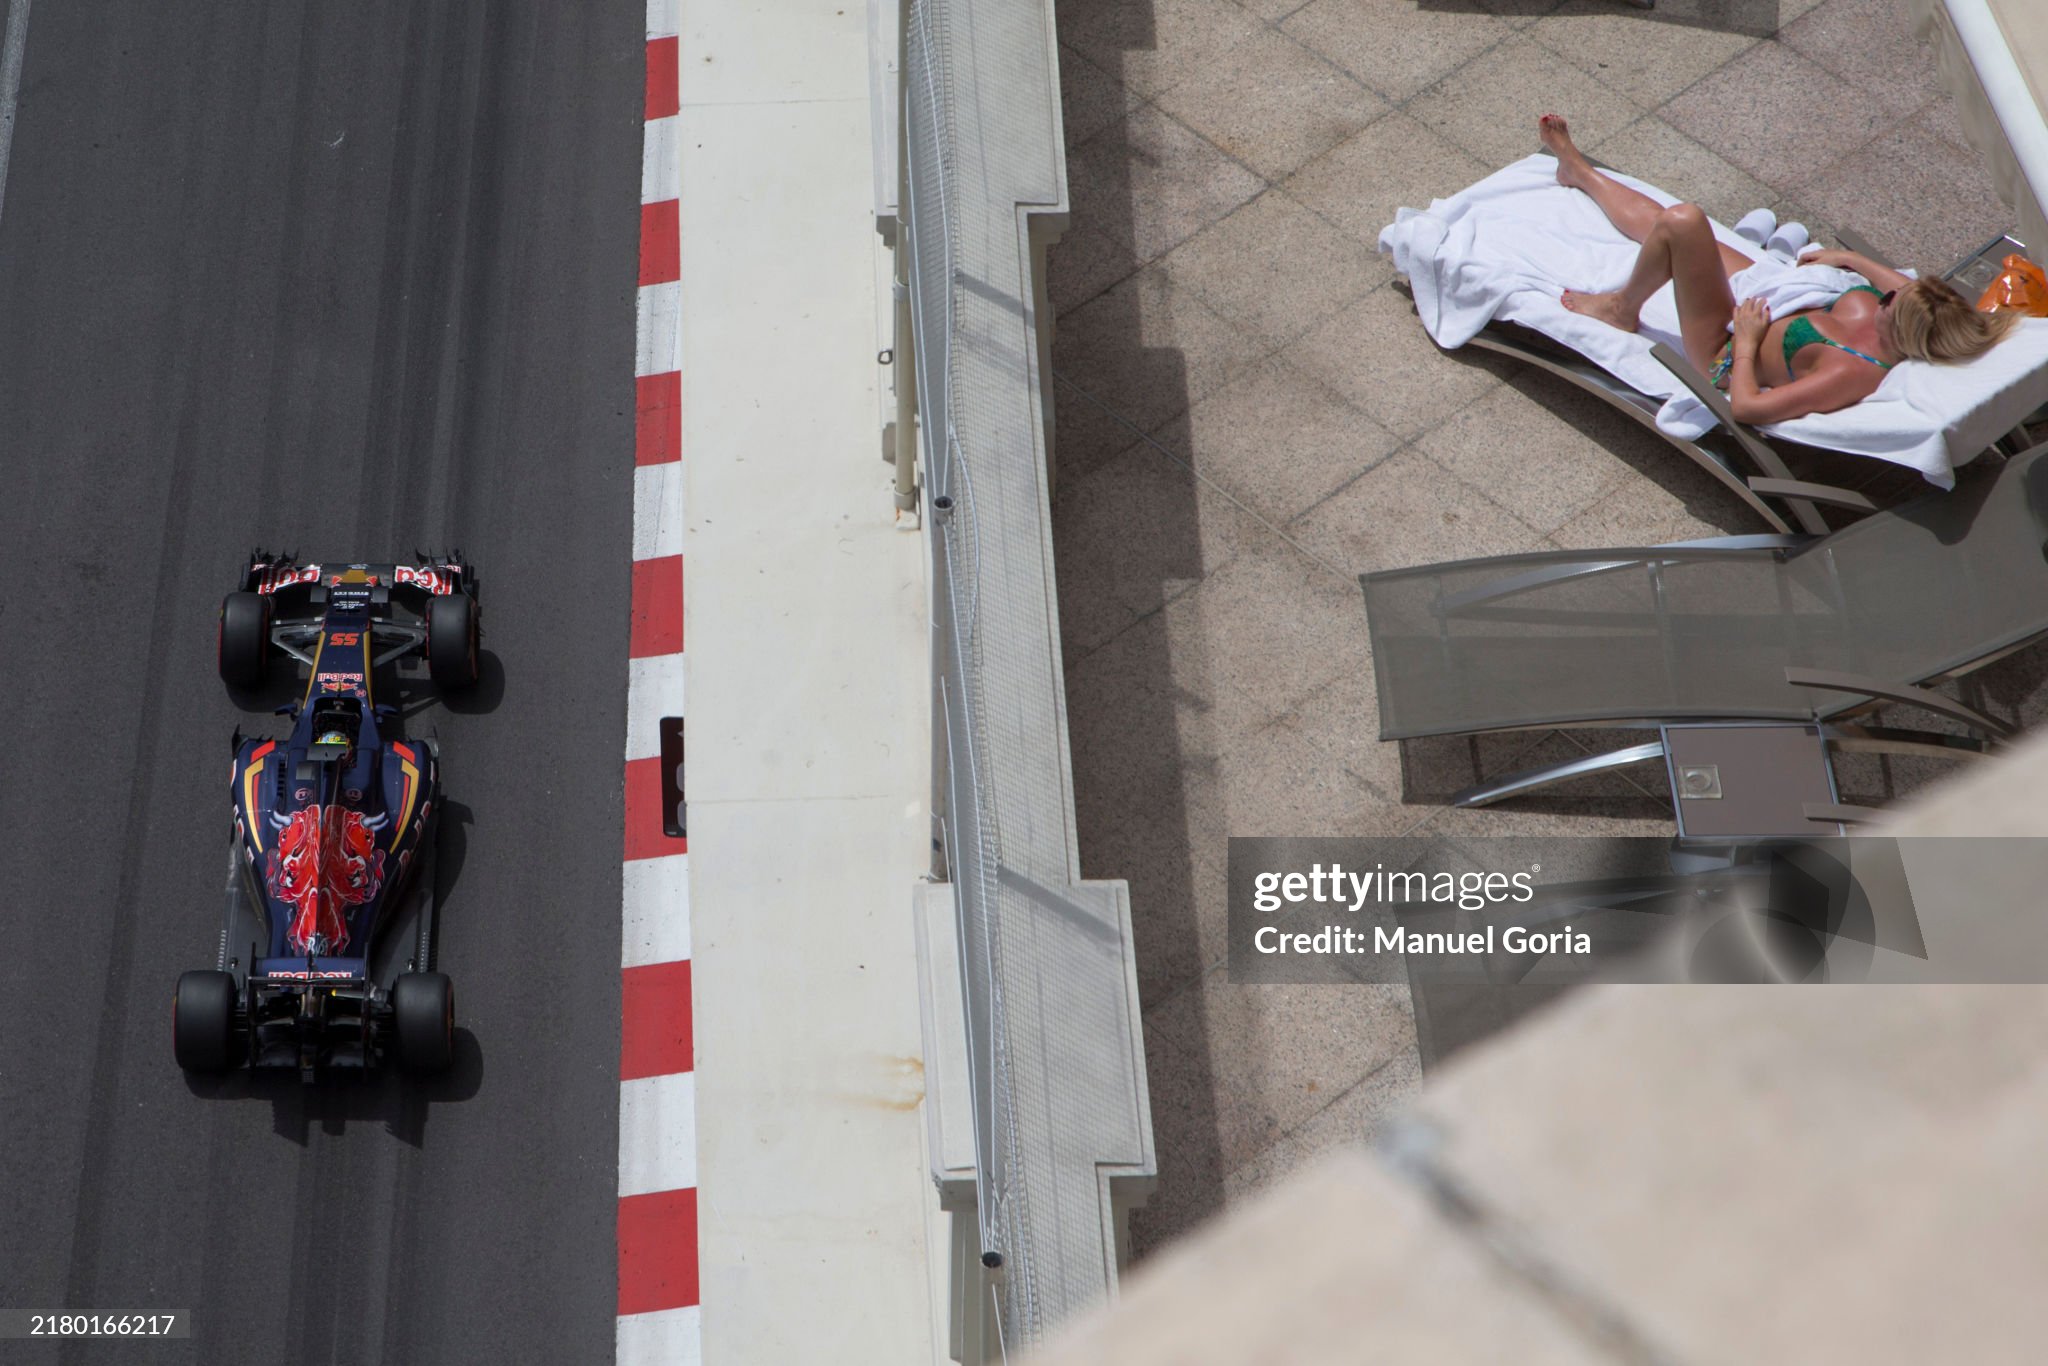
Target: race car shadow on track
{"x":404,"y":1104}
{"x":483,"y":696}
{"x":451,"y":846}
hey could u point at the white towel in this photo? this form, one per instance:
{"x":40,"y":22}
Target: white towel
{"x":1508,"y":246}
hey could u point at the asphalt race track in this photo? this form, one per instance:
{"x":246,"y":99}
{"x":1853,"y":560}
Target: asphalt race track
{"x":351,"y":279}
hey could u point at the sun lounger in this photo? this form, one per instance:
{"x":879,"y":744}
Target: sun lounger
{"x":1487,"y":265}
{"x":1779,"y":630}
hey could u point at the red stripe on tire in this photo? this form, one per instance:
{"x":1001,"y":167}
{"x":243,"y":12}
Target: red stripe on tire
{"x":657,"y":1251}
{"x":660,"y":243}
{"x":654,"y":1038}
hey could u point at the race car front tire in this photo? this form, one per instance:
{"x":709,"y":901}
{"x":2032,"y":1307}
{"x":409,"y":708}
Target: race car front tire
{"x":423,"y":1020}
{"x":452,"y":640}
{"x":203,"y":1021}
{"x":244,"y":639}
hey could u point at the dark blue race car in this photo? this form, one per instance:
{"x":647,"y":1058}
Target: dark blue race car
{"x":326,"y":951}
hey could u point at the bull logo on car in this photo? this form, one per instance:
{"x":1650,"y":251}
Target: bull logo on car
{"x":324,"y":861}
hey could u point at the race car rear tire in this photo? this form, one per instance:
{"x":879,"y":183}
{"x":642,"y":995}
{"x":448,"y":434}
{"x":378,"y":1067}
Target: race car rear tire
{"x":423,"y":1019}
{"x":244,"y":639}
{"x":452,"y":640}
{"x":203,"y":1021}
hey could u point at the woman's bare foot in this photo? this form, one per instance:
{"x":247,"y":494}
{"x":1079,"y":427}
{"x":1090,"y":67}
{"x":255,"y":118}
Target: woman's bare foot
{"x":1556,"y":136}
{"x":1611,"y":309}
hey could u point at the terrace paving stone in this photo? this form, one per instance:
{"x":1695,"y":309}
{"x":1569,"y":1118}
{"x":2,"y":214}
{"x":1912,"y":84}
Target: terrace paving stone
{"x":1539,"y":451}
{"x":1090,"y":98}
{"x":1675,"y":500}
{"x":1082,"y":264}
{"x":1276,"y":440}
{"x":1409,"y":511}
{"x":1277,"y":1054}
{"x":1149,"y":183}
{"x":1153,"y":45}
{"x":1275,"y":106}
{"x":1354,"y":1117}
{"x":1777,"y":115}
{"x":1396,"y":48}
{"x":1178,"y":892}
{"x":1290,"y":781}
{"x":1375,"y":353}
{"x":1519,"y":13}
{"x":1871,"y":46}
{"x":1090,"y":434}
{"x":1132,"y":357}
{"x":1628,"y":51}
{"x":1149,"y":806}
{"x":1276,"y":269}
{"x":1394,"y":163}
{"x":1938,"y":205}
{"x":1489,"y":106}
{"x":1122,"y":727}
{"x":1272,"y":624}
{"x":1142,"y":529}
{"x":1182,"y":1083}
{"x":1198,"y":702}
{"x":1342,"y":718}
{"x":1271,"y":11}
{"x":1944,"y":116}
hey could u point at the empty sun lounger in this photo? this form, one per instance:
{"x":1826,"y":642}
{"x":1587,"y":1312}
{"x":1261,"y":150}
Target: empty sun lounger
{"x":1807,"y":631}
{"x":1487,"y":265}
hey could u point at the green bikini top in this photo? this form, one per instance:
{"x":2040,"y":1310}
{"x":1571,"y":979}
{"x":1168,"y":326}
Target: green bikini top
{"x":1800,"y":333}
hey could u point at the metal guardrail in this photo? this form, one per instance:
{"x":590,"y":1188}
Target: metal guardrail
{"x":1062,"y":1123}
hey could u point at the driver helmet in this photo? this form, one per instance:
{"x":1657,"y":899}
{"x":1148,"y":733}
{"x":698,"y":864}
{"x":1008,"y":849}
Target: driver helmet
{"x":333,"y":736}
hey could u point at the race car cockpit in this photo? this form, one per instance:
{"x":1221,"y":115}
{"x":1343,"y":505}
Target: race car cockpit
{"x":337,"y":721}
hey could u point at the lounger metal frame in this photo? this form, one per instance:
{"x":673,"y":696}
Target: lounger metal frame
{"x":1840,"y":727}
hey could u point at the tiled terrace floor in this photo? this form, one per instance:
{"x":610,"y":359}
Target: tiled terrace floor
{"x":1249,"y":415}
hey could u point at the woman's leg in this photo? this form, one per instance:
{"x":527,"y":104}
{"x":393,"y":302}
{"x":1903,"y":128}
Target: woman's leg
{"x":1679,"y":247}
{"x":1631,"y":211}
{"x":1678,"y":244}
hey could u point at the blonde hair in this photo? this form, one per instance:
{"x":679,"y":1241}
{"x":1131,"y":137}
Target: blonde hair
{"x":1930,"y":321}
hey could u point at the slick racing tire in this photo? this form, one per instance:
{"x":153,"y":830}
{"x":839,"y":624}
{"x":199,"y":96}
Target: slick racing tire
{"x":452,"y":640}
{"x":423,"y":1019}
{"x":203,"y":1021}
{"x":244,"y":641}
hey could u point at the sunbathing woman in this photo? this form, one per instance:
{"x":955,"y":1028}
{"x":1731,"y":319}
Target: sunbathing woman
{"x":1813,"y":361}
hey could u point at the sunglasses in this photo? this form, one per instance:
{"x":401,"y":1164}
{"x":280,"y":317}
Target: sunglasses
{"x":1885,"y":299}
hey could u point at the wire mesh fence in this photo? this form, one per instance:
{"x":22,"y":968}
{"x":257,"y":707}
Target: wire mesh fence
{"x":973,"y":834}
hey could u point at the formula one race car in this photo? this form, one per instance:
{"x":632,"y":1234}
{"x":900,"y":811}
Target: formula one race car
{"x":325,"y":958}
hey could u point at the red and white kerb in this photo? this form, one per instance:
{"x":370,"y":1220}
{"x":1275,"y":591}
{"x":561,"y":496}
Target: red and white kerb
{"x":657,"y":1084}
